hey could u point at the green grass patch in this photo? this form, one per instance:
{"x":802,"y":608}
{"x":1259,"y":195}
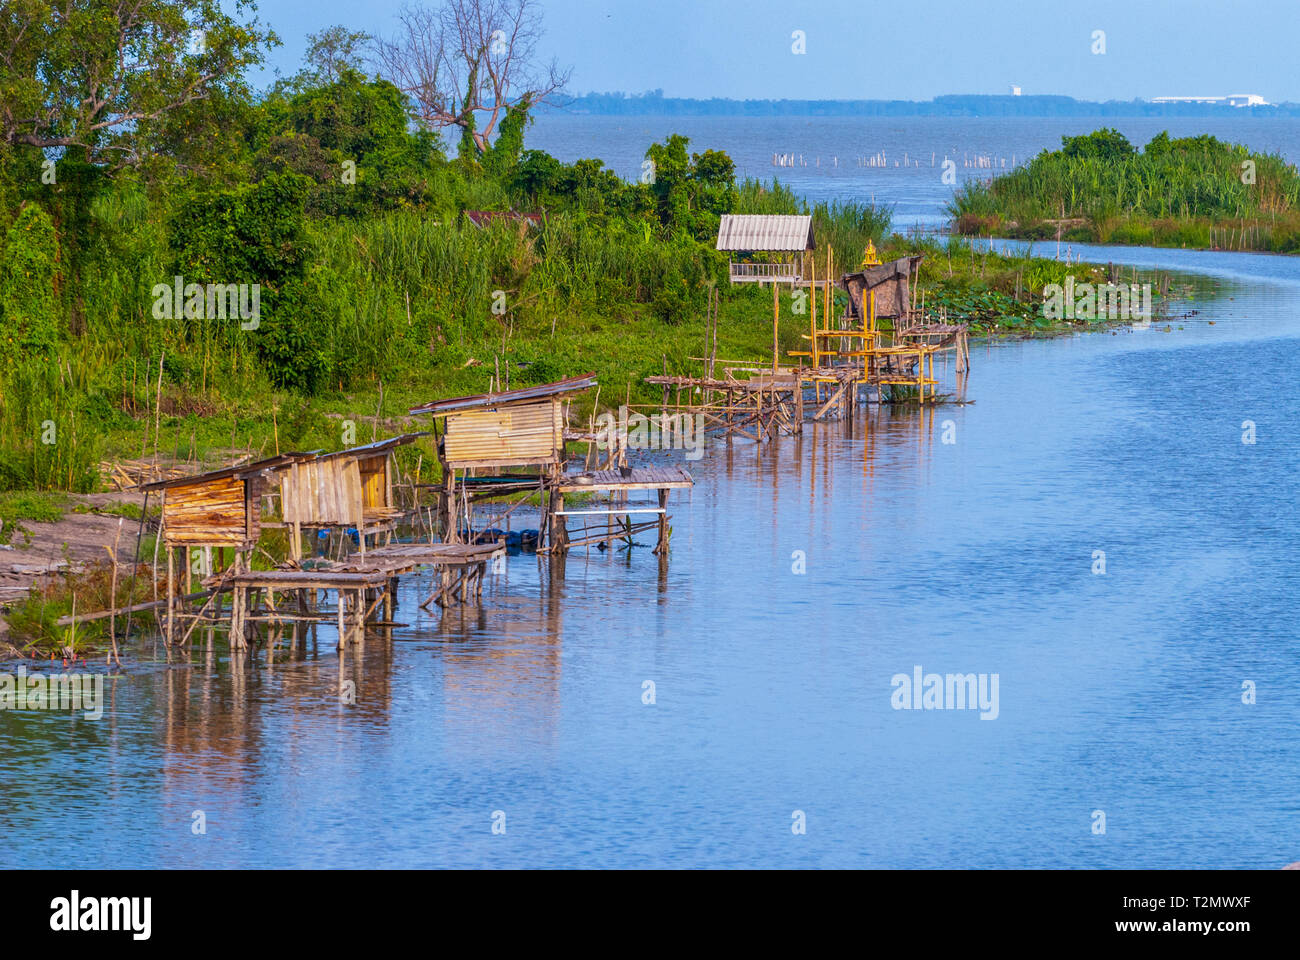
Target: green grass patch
{"x":16,"y":507}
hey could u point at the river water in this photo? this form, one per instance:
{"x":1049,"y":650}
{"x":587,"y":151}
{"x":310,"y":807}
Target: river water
{"x":1118,"y":692}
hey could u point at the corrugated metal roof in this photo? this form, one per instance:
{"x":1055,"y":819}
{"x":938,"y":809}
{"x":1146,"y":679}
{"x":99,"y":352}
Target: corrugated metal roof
{"x":242,"y":472}
{"x":519,"y":434}
{"x":377,"y":447}
{"x":765,"y":232}
{"x":560,"y":387}
{"x":282,"y":461}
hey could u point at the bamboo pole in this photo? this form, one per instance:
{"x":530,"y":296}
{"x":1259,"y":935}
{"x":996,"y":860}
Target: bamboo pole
{"x":776,"y":316}
{"x":112,"y":593}
{"x":813,"y":297}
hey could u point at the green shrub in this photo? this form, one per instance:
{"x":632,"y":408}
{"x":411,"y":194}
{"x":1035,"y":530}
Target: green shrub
{"x":29,"y":315}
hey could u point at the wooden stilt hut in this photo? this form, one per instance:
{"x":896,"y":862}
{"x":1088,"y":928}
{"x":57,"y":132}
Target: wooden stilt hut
{"x":206,"y":516}
{"x":884,"y":292}
{"x":771,"y":247}
{"x":498,"y":433}
{"x":351,"y":490}
{"x":501,"y":433}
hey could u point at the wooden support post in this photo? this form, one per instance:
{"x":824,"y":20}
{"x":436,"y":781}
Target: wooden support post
{"x":559,"y":525}
{"x":450,"y":533}
{"x":776,"y":316}
{"x":662,"y":546}
{"x":171,"y":596}
{"x":812,"y":291}
{"x":238,"y":604}
{"x":826,"y":303}
{"x":343,"y":627}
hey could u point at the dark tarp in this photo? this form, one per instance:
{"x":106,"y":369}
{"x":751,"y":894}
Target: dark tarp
{"x":890,"y":282}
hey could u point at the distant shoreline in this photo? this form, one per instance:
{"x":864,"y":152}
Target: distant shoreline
{"x":655,"y":104}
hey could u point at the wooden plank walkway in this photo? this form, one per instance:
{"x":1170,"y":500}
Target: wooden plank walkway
{"x":641,"y":478}
{"x":361,"y":584}
{"x":404,"y":557}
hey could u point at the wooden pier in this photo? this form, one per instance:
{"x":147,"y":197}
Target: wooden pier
{"x":841,"y":358}
{"x":616,"y":483}
{"x":278,"y":597}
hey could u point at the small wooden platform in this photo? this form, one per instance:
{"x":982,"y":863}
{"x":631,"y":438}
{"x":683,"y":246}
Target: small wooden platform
{"x":658,"y":479}
{"x":460,"y":565}
{"x":307,"y":579}
{"x":397,"y":558}
{"x":361,"y":583}
{"x":642,"y":478}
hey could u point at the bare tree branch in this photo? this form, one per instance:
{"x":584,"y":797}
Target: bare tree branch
{"x":467,"y":58}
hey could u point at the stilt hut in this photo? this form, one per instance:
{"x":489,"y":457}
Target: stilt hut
{"x":773,"y":247}
{"x":885,"y":292}
{"x":350,"y":489}
{"x":499,"y":432}
{"x":885,"y":289}
{"x":220,"y":508}
{"x":215,"y":511}
{"x":502,"y":432}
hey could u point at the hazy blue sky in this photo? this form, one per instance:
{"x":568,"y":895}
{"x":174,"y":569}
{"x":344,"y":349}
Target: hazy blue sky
{"x":911,"y":51}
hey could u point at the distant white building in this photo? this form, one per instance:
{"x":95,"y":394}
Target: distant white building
{"x":1015,"y":90}
{"x":1231,"y":100}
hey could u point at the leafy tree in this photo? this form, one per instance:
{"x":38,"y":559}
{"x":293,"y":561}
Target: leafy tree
{"x":102,"y":77}
{"x":351,"y":137}
{"x":1162,"y":145}
{"x":501,"y":159}
{"x":255,"y":234}
{"x":691,"y":191}
{"x":333,"y":51}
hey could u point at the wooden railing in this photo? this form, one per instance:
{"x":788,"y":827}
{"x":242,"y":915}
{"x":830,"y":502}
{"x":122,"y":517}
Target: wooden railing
{"x":764,"y":272}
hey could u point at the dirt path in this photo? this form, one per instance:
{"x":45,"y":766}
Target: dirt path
{"x":76,"y":538}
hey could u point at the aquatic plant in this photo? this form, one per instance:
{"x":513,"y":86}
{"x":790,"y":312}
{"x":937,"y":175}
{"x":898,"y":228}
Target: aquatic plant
{"x":1196,"y":191}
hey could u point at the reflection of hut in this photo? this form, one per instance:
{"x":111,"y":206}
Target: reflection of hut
{"x":494,"y":432}
{"x":350,"y":489}
{"x":779,"y":241}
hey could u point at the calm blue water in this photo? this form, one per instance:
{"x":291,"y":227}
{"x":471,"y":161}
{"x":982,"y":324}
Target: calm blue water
{"x":1119,"y":692}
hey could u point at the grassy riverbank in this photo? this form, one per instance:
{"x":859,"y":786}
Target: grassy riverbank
{"x":191,"y":400}
{"x":1195,"y":192}
{"x":201,"y":415}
